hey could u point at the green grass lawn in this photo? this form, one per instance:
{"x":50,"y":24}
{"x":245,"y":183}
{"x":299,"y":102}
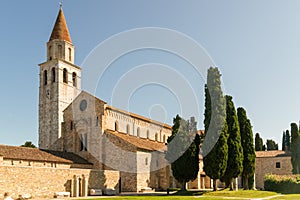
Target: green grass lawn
{"x":220,"y":195}
{"x":288,"y":197}
{"x":241,"y":193}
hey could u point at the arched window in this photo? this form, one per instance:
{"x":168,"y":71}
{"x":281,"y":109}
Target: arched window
{"x":138,"y":132}
{"x":70,"y":54}
{"x":53,"y":75}
{"x":65,"y":75}
{"x":97,"y":121}
{"x":128,"y":129}
{"x":148,"y":134}
{"x":116,"y":126}
{"x":83,"y":142}
{"x":50,"y":52}
{"x":45,"y":77}
{"x":59,"y":51}
{"x":156,"y":136}
{"x":74,"y":79}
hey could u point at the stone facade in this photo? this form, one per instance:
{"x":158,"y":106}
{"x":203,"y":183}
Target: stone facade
{"x":43,"y":182}
{"x":271,"y":162}
{"x":60,"y":83}
{"x":99,"y":133}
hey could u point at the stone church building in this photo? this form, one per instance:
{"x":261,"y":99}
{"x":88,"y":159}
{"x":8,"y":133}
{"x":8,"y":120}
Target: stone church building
{"x":84,"y":143}
{"x":71,"y":120}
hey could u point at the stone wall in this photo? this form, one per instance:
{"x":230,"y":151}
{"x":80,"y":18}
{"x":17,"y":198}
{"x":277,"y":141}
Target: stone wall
{"x":135,"y":125}
{"x":44,"y":182}
{"x":267,"y":165}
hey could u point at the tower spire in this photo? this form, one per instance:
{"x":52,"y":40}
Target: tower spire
{"x":60,"y":30}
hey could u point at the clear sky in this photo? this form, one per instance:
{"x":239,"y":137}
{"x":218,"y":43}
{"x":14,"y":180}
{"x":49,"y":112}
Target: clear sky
{"x":255,"y":44}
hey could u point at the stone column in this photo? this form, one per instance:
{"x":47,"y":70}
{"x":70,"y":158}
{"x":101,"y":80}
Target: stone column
{"x":75,"y":186}
{"x":84,"y":186}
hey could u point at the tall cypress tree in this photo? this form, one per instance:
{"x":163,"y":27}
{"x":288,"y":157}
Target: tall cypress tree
{"x":235,"y":150}
{"x":259,"y":144}
{"x":288,"y":140}
{"x":295,"y":149}
{"x":215,"y":148}
{"x":248,"y":149}
{"x":182,"y":153}
{"x":283,"y":141}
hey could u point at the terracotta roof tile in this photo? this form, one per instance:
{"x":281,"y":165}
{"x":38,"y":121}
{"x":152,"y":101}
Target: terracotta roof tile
{"x":60,"y":30}
{"x":264,"y":154}
{"x":69,"y":156}
{"x":139,"y":143}
{"x":26,"y":153}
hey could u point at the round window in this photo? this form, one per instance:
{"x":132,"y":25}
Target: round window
{"x":83,"y":105}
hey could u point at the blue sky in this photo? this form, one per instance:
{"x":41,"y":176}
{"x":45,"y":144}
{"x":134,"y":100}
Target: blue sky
{"x":255,"y":44}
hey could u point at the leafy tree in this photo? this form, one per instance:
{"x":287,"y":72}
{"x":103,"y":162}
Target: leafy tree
{"x":248,"y":149}
{"x":283,"y":141}
{"x":295,"y":148}
{"x":258,"y":143}
{"x":264,"y":148}
{"x":28,"y":144}
{"x":215,"y":148}
{"x":183,"y":150}
{"x":235,"y":150}
{"x":288,"y":140}
{"x":271,"y":145}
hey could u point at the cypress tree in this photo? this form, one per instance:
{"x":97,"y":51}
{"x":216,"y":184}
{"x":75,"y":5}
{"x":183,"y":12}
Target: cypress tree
{"x":215,"y":148}
{"x":283,"y":141}
{"x":288,"y":140}
{"x":181,"y":152}
{"x":259,"y":145}
{"x":295,"y":149}
{"x":271,"y":145}
{"x":235,"y":150}
{"x":248,"y":149}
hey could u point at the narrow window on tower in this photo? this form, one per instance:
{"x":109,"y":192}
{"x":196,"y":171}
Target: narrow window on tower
{"x":53,"y":75}
{"x":97,"y":121}
{"x":65,"y":76}
{"x":70,"y":54}
{"x":50,"y":52}
{"x":45,"y":77}
{"x":74,"y":79}
{"x":59,"y":51}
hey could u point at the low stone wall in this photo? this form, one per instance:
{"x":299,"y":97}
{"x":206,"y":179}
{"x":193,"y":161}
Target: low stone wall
{"x":44,"y":182}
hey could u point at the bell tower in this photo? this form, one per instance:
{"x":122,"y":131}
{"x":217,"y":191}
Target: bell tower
{"x":60,"y":83}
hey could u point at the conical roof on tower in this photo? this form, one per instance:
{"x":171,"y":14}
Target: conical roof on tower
{"x":60,"y":30}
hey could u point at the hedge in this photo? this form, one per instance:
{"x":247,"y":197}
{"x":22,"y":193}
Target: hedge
{"x":286,"y":184}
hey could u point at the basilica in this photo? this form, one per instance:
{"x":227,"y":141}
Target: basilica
{"x":85,"y":144}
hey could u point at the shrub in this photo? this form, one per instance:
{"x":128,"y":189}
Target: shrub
{"x":286,"y":184}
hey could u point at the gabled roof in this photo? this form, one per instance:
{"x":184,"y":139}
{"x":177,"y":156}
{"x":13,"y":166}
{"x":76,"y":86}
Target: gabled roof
{"x":68,"y":156}
{"x":270,"y":154}
{"x":138,"y":142}
{"x":30,"y":154}
{"x":60,"y":30}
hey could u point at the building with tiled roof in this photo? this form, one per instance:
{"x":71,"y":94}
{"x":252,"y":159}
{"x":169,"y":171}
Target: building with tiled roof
{"x":271,"y":162}
{"x":74,"y":122}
